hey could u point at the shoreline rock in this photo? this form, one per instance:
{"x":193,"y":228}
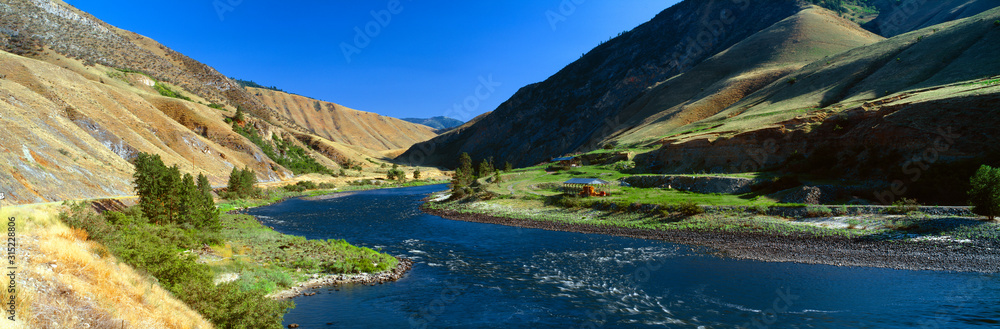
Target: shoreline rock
{"x":303,"y":288}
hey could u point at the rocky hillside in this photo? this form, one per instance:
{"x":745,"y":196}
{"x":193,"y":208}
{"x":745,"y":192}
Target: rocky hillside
{"x":78,"y":35}
{"x":70,"y":135}
{"x":80,"y":98}
{"x":342,"y":124}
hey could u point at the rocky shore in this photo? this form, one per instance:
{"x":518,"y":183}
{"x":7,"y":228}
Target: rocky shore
{"x":303,"y":288}
{"x":975,"y":256}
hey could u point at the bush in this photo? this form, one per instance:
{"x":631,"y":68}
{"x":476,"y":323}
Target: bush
{"x":984,"y":197}
{"x":819,"y":212}
{"x":904,"y":206}
{"x":228,"y":306}
{"x":689,"y":208}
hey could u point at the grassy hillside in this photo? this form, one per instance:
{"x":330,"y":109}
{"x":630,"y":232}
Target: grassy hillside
{"x":565,"y":112}
{"x":68,"y":281}
{"x":739,"y":71}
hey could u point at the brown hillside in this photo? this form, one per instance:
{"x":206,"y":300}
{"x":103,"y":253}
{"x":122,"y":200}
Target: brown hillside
{"x":728,"y":77}
{"x":76,"y":34}
{"x":69,"y":137}
{"x":929,"y":95}
{"x":345,"y":125}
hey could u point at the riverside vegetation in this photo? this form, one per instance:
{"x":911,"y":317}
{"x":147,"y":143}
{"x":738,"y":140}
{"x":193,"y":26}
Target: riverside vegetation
{"x":222,"y":265}
{"x":536,"y":197}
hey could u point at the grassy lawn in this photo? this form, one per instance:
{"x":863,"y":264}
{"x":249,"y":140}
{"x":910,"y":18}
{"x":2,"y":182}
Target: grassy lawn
{"x":535,"y":181}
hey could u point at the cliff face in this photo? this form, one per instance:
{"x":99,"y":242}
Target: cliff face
{"x":344,"y":125}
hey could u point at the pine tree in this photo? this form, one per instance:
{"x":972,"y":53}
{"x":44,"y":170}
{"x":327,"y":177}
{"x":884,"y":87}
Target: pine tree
{"x":484,"y":169}
{"x":207,"y":215}
{"x":507,"y":166}
{"x":148,"y":183}
{"x":464,"y":174}
{"x":985,"y":193}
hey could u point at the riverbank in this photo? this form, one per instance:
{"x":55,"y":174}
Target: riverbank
{"x":826,"y":246}
{"x":303,"y":264}
{"x":332,"y":280}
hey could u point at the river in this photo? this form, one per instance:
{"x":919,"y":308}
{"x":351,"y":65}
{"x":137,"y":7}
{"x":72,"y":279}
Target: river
{"x":472,"y":275}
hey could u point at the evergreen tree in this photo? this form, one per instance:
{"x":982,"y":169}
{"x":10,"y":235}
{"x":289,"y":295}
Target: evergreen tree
{"x":507,"y":166}
{"x":985,"y":193}
{"x":484,"y":169}
{"x":416,"y":173}
{"x":148,"y":183}
{"x":464,"y":174}
{"x":207,"y":215}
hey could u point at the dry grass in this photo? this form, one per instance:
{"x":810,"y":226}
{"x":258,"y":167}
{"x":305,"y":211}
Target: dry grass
{"x":66,"y":281}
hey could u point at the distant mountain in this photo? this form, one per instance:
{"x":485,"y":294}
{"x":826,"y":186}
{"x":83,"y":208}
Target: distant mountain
{"x":440,"y":123}
{"x":344,"y":125}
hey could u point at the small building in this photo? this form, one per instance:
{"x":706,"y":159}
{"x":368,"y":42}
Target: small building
{"x":569,"y":161}
{"x":586,"y":181}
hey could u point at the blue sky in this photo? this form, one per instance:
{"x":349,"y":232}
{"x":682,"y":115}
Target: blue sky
{"x":417,"y":59}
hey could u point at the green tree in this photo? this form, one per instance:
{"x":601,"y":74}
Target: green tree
{"x":241,"y":183}
{"x":507,"y":166}
{"x":395,"y":173}
{"x":239,"y":117}
{"x":152,"y":186}
{"x":206,"y":214}
{"x":463,"y":174}
{"x":416,"y":173}
{"x":485,"y":169}
{"x":985,"y":193}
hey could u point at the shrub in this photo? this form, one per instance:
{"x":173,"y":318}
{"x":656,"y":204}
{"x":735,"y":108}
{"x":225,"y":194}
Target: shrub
{"x":904,"y":206}
{"x":996,"y":22}
{"x":819,"y":212}
{"x":689,"y":208}
{"x":985,"y":193}
{"x":228,"y":306}
{"x":416,"y":174}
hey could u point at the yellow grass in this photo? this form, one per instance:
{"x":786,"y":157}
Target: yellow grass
{"x":66,"y":281}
